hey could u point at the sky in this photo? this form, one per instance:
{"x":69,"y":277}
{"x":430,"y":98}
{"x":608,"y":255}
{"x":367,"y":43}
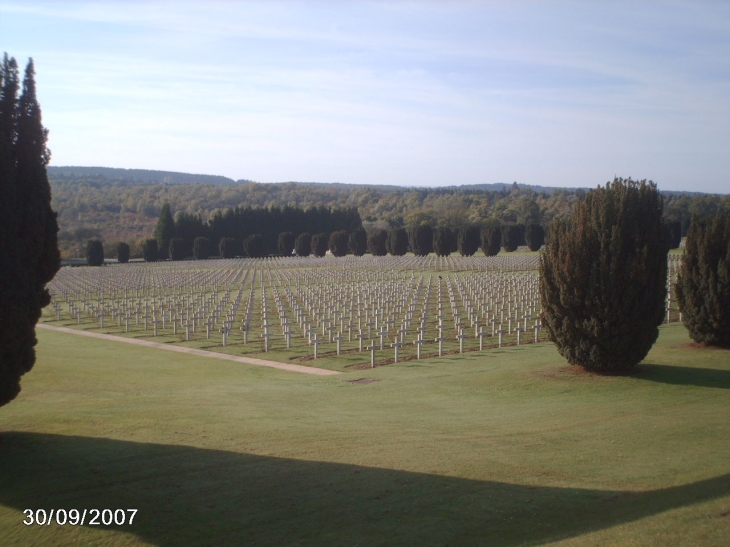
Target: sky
{"x":405,"y":93}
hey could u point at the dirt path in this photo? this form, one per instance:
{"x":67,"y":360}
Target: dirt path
{"x":199,"y":352}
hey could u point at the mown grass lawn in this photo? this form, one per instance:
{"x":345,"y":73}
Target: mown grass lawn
{"x":506,"y":447}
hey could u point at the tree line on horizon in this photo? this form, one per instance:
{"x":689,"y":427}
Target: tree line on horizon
{"x":121,"y":211}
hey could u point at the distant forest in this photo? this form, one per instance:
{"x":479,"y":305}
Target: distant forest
{"x":124,"y":205}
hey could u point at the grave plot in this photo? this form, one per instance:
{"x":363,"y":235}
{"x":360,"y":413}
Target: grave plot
{"x":357,"y":311}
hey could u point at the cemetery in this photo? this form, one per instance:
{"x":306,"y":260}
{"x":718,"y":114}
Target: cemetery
{"x":339,"y":313}
{"x":568,"y":388}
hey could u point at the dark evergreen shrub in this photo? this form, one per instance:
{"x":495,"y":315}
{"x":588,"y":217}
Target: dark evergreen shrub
{"x":285,"y":243}
{"x":703,"y":284}
{"x":320,"y":242}
{"x":358,"y":241}
{"x":303,"y":244}
{"x":176,"y":250}
{"x":397,"y":242}
{"x":149,"y":250}
{"x":123,"y":253}
{"x":454,"y":240}
{"x":338,"y":242}
{"x":469,"y":240}
{"x":201,"y":248}
{"x":165,"y":229}
{"x":534,"y":236}
{"x":520,"y":234}
{"x":376,"y":242}
{"x":228,"y":247}
{"x":510,"y":238}
{"x":603,"y":277}
{"x":420,"y":239}
{"x":491,"y":240}
{"x":443,"y":241}
{"x":254,"y":246}
{"x":94,"y":252}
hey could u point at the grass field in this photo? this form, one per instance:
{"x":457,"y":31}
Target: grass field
{"x":508,"y":447}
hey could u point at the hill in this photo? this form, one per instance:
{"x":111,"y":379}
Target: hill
{"x":123,"y":204}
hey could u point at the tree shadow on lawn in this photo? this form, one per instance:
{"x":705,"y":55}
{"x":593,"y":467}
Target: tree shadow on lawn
{"x":683,"y":376}
{"x":193,"y":496}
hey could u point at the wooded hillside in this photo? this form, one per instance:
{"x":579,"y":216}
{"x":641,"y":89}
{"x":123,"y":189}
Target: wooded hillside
{"x":123,"y":205}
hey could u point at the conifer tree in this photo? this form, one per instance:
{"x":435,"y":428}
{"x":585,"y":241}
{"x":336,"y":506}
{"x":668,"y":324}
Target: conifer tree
{"x":285,"y":243}
{"x":165,"y":229}
{"x":469,"y":239}
{"x":603,"y":277}
{"x":254,"y":246}
{"x":176,"y":248}
{"x":443,"y":241}
{"x":491,"y":240}
{"x":397,"y":242}
{"x":228,"y":247}
{"x":320,"y":243}
{"x":338,"y":242}
{"x":510,"y":238}
{"x":376,"y":242}
{"x":534,"y":236}
{"x":420,"y":238}
{"x":201,"y":248}
{"x":29,"y":256}
{"x":303,"y":244}
{"x":150,"y":251}
{"x":703,"y":284}
{"x":358,"y":241}
{"x":123,"y":252}
{"x":94,"y":252}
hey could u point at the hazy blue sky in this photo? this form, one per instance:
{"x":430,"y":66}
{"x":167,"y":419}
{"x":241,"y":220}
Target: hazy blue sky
{"x":411,"y":93}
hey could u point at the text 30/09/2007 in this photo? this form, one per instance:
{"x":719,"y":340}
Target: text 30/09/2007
{"x":78,"y":517}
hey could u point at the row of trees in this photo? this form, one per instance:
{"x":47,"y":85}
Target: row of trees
{"x":421,"y":240}
{"x":257,"y":229}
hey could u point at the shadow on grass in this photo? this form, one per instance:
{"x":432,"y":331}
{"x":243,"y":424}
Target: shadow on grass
{"x":192,"y":496}
{"x":683,"y":376}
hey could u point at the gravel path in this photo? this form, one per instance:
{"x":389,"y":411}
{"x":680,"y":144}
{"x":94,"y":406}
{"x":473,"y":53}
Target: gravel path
{"x":192,"y":351}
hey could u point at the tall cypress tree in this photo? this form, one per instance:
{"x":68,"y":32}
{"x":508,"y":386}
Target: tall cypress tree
{"x":534,"y":236}
{"x":285,"y":243}
{"x":510,"y":238}
{"x":703,"y":284}
{"x":165,"y":229}
{"x":469,"y":240}
{"x":376,"y":242}
{"x":338,"y":242}
{"x":396,"y":243}
{"x":358,"y":241}
{"x":28,"y":226}
{"x":94,"y":252}
{"x":603,"y":277}
{"x":443,"y":241}
{"x":123,"y":252}
{"x":420,"y":238}
{"x":491,"y":240}
{"x":303,"y":244}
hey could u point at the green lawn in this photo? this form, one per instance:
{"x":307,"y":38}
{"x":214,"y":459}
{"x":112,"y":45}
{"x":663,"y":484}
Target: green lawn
{"x":506,"y":447}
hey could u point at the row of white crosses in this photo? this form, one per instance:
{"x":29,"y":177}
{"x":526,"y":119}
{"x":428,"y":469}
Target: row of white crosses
{"x":674,"y":263}
{"x":338,"y":303}
{"x":377,"y":301}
